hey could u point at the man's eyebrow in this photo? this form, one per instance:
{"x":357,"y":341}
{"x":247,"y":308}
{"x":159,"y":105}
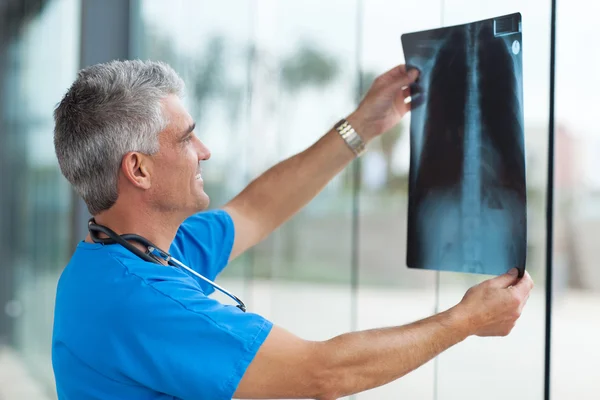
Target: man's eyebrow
{"x":189,"y":130}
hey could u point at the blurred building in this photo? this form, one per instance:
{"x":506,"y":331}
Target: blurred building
{"x":265,"y":79}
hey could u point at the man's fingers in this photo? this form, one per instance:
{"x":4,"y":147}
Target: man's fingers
{"x":395,"y":73}
{"x":413,"y":75}
{"x":417,"y":97}
{"x":399,"y":75}
{"x":505,"y":280}
{"x":408,"y":100}
{"x":525,"y":284}
{"x":523,"y":303}
{"x":407,"y":106}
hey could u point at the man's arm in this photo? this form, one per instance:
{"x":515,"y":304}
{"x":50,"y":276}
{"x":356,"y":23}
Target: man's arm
{"x":283,"y":190}
{"x":289,"y":367}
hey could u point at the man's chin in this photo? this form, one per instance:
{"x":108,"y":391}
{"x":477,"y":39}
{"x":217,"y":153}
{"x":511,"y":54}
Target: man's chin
{"x":203,"y":202}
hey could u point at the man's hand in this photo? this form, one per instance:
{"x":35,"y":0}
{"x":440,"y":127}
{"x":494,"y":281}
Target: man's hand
{"x":493,"y":307}
{"x":385,"y":103}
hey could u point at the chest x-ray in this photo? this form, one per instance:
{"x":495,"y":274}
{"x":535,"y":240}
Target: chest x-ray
{"x":467,"y":197}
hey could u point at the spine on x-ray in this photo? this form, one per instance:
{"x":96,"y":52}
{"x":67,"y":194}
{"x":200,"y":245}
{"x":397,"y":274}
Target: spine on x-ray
{"x":471,"y":182}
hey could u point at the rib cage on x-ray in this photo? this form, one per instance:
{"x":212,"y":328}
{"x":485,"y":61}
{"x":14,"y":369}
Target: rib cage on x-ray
{"x":467,"y":197}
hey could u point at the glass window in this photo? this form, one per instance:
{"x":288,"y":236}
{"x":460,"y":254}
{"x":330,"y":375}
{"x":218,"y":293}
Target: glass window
{"x":485,"y":365}
{"x":41,"y":60}
{"x":576,"y":280}
{"x":303,"y":85}
{"x":265,"y":80}
{"x":389,"y":293}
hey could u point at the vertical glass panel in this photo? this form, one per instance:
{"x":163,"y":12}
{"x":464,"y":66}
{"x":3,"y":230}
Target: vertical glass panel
{"x":40,"y":59}
{"x":212,"y":55}
{"x":576,"y":279}
{"x":303,"y":80}
{"x":390,"y":294}
{"x":513,"y":366}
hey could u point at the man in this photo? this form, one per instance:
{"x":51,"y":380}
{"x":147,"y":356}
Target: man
{"x":127,"y":328}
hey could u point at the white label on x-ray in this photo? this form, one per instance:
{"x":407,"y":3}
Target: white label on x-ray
{"x":516,"y":47}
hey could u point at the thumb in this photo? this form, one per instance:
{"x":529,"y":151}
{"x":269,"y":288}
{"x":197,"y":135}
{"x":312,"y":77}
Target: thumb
{"x":505,"y":280}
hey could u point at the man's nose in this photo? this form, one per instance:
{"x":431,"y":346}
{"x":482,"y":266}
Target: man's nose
{"x":203,"y":151}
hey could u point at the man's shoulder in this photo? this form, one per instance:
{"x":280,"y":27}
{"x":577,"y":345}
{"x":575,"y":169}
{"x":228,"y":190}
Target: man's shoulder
{"x":94,"y":261}
{"x":204,"y":240}
{"x":205,"y":222}
{"x":113,"y":264}
{"x":109,"y":284}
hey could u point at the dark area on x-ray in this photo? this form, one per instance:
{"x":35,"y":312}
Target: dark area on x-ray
{"x":467,"y":196}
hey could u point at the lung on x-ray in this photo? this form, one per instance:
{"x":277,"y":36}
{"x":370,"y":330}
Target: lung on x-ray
{"x":467,"y":197}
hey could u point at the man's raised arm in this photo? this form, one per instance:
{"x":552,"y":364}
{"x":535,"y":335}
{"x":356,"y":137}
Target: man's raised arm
{"x":283,"y":190}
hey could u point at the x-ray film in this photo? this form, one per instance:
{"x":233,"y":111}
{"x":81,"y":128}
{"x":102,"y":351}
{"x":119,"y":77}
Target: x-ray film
{"x":467,"y":197}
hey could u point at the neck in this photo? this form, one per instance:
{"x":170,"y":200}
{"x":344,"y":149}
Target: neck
{"x":159,"y":228}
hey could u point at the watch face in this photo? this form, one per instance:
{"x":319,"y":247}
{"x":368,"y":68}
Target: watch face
{"x":467,"y":197}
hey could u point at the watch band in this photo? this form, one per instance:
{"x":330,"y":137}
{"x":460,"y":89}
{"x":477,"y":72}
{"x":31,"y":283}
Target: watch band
{"x":351,"y":137}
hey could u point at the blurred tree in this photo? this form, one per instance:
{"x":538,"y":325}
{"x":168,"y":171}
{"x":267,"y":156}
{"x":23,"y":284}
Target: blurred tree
{"x":211,"y":83}
{"x":156,"y":46}
{"x":307,"y":67}
{"x":389,"y":141}
{"x":205,"y":74}
{"x":366,"y":80}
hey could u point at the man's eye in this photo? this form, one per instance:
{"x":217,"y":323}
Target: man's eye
{"x":188,"y":138}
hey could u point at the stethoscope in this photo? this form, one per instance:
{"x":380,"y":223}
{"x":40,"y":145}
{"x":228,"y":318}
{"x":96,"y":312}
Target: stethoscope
{"x":153,"y":254}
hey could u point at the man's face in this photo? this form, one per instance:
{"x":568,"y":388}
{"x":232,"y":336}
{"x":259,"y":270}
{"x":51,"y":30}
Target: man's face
{"x":176,"y":174}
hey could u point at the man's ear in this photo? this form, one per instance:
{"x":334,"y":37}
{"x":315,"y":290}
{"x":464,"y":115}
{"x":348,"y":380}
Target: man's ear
{"x":137,"y":167}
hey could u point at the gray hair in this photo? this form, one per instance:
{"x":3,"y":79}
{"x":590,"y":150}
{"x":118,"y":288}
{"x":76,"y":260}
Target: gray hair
{"x":111,"y":109}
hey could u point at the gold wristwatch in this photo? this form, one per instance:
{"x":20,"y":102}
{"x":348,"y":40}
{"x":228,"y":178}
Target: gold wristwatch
{"x":352,"y":139}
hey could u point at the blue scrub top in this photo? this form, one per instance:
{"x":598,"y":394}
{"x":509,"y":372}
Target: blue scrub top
{"x":125,"y":328}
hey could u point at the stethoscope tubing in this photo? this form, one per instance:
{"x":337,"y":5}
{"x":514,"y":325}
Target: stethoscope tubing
{"x":153,"y":255}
